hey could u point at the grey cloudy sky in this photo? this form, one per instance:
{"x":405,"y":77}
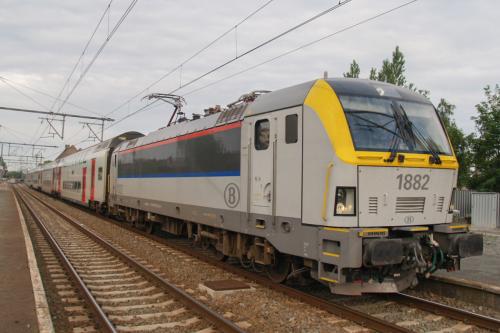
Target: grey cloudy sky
{"x":451,"y":48}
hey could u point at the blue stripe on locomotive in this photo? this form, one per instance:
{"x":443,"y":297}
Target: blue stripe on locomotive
{"x":212,"y":155}
{"x":190,"y":174}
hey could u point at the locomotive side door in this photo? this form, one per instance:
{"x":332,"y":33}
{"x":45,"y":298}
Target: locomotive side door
{"x":261,"y":180}
{"x":288,"y":163}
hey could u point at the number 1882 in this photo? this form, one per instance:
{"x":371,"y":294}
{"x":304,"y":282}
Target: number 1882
{"x":415,"y":182}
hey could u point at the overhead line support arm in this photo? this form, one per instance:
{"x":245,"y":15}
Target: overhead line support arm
{"x":56,"y":113}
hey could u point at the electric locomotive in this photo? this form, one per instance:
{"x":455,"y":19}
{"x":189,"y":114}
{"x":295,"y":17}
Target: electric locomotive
{"x":348,"y":180}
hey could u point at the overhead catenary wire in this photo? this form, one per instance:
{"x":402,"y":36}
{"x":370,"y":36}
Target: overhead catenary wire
{"x":69,"y":139}
{"x":82,"y":54}
{"x":253,"y":49}
{"x":23,"y":94}
{"x":99,"y":51}
{"x":13,"y":132}
{"x":352,"y":26}
{"x":194,"y":55}
{"x":46,"y":129}
{"x":36,"y":132}
{"x":46,"y":94}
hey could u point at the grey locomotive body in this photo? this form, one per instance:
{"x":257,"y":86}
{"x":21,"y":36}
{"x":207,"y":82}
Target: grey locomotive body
{"x":349,"y":180}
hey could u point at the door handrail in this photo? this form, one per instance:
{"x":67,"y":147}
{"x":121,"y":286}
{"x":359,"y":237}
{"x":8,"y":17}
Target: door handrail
{"x":275,"y":158}
{"x":326,"y":192}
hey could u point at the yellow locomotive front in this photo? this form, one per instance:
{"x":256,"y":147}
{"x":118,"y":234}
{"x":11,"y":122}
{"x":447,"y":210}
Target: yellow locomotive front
{"x":386,"y":210}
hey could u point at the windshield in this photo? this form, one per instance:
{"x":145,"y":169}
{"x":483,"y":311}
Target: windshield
{"x":372,"y":125}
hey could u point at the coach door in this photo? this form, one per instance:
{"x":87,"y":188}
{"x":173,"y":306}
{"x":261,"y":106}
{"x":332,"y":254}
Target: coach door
{"x":261,"y":176}
{"x":53,"y":186}
{"x":92,"y":179}
{"x":59,"y":180}
{"x":84,"y":184}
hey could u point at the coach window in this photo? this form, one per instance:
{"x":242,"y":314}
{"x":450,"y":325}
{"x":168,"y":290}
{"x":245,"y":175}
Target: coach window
{"x":262,"y":134}
{"x":291,"y":128}
{"x":99,"y":173}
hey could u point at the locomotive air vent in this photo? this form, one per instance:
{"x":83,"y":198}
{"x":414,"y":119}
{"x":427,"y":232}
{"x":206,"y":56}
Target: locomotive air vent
{"x":410,"y":204}
{"x":372,"y":205}
{"x":440,"y":204}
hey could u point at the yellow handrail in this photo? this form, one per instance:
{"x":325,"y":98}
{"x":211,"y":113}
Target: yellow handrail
{"x":327,"y":189}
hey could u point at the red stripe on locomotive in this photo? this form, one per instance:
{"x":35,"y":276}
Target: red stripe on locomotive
{"x":185,"y":137}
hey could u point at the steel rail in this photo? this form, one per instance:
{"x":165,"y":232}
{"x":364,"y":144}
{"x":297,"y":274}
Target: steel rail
{"x":101,"y":318}
{"x":448,"y":311}
{"x":343,"y":311}
{"x":180,"y":295}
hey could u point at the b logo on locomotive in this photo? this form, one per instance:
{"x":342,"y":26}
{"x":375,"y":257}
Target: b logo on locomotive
{"x":232,"y":195}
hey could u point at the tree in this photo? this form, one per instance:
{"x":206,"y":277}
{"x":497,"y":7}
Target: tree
{"x":353,"y":70}
{"x":3,"y":167}
{"x":393,"y":71}
{"x":15,"y":174}
{"x":459,"y":141}
{"x":486,"y":145}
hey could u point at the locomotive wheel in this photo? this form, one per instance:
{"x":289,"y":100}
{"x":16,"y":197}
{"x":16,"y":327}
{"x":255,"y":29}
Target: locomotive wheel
{"x":205,"y":244}
{"x":150,"y":227}
{"x":245,"y":263}
{"x":220,"y":256}
{"x":278,"y":272}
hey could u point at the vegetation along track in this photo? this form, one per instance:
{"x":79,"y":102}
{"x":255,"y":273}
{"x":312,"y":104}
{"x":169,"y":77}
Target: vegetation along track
{"x":328,"y":302}
{"x":122,"y":293}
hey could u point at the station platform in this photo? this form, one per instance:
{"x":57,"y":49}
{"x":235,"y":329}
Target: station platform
{"x":482,"y":272}
{"x":18,"y":306}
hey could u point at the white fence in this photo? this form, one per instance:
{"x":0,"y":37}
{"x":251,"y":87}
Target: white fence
{"x":485,"y":210}
{"x":462,"y":202}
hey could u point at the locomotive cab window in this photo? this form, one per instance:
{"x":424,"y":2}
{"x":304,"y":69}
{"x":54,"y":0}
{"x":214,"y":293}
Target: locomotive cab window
{"x":291,"y":128}
{"x":262,"y":134}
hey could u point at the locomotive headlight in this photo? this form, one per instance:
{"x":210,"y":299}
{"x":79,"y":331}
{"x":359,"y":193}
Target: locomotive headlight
{"x":345,"y":201}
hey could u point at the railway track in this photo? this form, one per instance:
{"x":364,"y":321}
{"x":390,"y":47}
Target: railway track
{"x":348,"y":312}
{"x":448,"y":311}
{"x":120,"y":291}
{"x":66,"y":303}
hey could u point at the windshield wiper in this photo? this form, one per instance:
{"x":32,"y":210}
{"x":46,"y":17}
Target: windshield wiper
{"x":396,"y":139}
{"x":429,"y":145}
{"x":403,"y":126}
{"x":354,"y":114}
